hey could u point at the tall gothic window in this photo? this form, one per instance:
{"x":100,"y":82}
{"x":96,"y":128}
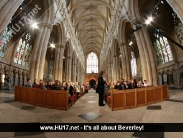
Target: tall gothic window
{"x":4,"y":39}
{"x":23,"y":50}
{"x":133,"y":64}
{"x":92,"y":63}
{"x":162,"y":49}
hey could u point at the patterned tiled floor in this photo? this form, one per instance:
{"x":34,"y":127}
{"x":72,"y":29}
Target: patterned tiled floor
{"x":86,"y":110}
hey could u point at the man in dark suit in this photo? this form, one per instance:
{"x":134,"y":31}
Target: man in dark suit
{"x":100,"y":88}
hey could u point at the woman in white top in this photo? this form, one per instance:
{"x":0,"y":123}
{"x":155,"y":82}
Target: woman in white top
{"x":145,"y":83}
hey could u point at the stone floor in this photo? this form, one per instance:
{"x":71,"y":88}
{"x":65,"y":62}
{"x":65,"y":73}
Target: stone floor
{"x":86,"y":110}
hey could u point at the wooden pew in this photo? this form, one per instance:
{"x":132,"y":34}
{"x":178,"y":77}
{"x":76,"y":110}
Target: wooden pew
{"x":131,"y":98}
{"x":55,"y":99}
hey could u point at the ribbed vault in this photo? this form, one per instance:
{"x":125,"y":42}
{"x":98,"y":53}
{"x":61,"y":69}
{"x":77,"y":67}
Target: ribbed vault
{"x":90,"y":18}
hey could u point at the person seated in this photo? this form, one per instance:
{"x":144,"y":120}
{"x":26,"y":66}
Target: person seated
{"x":42,"y":85}
{"x":65,"y":86}
{"x":116,"y":85}
{"x":139,"y":84}
{"x":36,"y":84}
{"x":28,"y":84}
{"x":70,"y":88}
{"x":133,"y":84}
{"x":121,"y":86}
{"x":49,"y":86}
{"x":57,"y":85}
{"x":126,"y":84}
{"x":146,"y":83}
{"x":105,"y":87}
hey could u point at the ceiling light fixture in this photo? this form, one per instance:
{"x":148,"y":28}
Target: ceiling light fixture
{"x":149,"y":20}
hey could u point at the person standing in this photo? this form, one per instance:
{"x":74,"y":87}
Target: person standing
{"x":100,"y":88}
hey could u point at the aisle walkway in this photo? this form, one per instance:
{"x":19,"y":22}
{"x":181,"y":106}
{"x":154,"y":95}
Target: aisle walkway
{"x":86,"y":110}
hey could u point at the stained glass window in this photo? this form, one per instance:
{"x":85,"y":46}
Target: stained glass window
{"x":92,"y":63}
{"x":162,"y":49}
{"x":133,"y":64}
{"x":4,"y":39}
{"x":23,"y":50}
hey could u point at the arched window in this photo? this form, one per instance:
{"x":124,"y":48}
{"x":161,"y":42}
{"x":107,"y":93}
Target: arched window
{"x":162,"y":49}
{"x":23,"y":50}
{"x":133,"y":64}
{"x":4,"y":39}
{"x":92,"y":63}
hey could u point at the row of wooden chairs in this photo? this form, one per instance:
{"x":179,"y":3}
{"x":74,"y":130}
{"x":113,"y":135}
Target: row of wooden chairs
{"x":131,"y":98}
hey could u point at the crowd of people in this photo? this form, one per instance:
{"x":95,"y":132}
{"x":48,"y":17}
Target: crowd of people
{"x":104,"y":86}
{"x":57,"y":85}
{"x":122,"y":85}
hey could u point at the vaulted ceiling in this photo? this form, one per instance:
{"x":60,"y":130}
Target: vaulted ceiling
{"x":90,"y":18}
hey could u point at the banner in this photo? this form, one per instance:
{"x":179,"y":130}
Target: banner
{"x":91,"y":127}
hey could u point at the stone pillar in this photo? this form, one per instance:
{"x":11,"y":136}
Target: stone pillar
{"x":16,"y":78}
{"x":109,"y":72}
{"x":65,"y":69}
{"x":125,"y":61}
{"x":115,"y":68}
{"x":58,"y":69}
{"x":10,"y":73}
{"x":69,"y":64}
{"x":21,"y":79}
{"x":74,"y":71}
{"x":8,"y":8}
{"x":78,"y":74}
{"x":25,"y":78}
{"x":106,"y":74}
{"x":39,"y":52}
{"x":145,"y":47}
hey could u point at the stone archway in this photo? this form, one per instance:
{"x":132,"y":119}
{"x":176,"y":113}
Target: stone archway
{"x":92,"y":83}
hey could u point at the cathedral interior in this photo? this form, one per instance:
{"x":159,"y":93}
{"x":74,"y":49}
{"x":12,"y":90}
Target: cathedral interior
{"x":73,"y":41}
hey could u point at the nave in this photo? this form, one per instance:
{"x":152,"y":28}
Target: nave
{"x":86,"y":110}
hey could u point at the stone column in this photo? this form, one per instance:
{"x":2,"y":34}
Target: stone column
{"x":8,"y":8}
{"x":78,"y":74}
{"x":58,"y":69}
{"x":74,"y":71}
{"x":109,"y":72}
{"x":146,"y":56}
{"x":69,"y":64}
{"x":115,"y":68}
{"x":21,"y":78}
{"x":10,"y":73}
{"x":25,"y":78}
{"x":125,"y":61}
{"x":106,"y":74}
{"x":39,"y":52}
{"x":16,"y":78}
